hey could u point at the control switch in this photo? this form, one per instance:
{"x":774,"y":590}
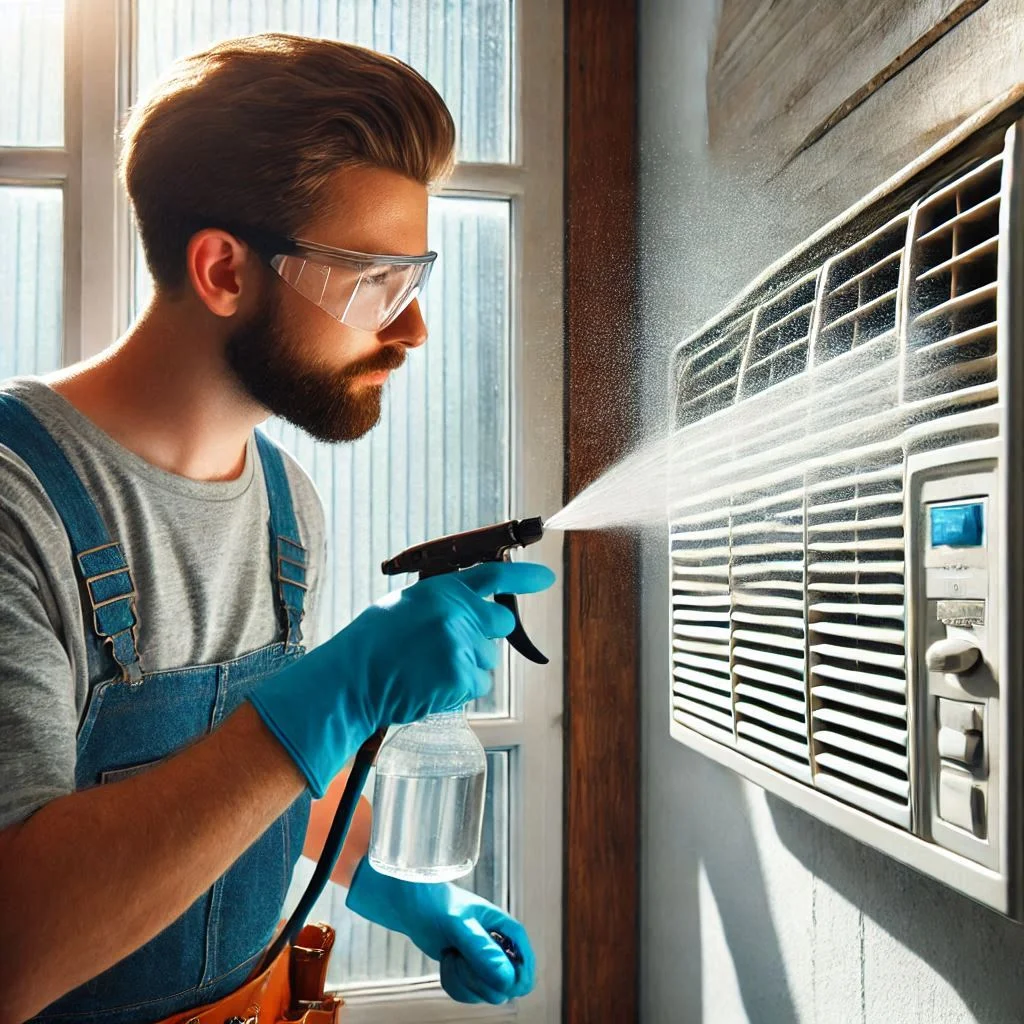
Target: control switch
{"x":961,"y":803}
{"x":961,"y":731}
{"x":964,"y":747}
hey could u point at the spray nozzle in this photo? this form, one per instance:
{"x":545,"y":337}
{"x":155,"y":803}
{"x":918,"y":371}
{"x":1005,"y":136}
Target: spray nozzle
{"x":462,"y":550}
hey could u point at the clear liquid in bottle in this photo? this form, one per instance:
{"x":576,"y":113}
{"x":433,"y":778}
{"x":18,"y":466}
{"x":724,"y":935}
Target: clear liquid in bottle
{"x":428,"y":800}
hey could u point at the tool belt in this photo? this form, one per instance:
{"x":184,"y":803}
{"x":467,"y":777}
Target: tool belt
{"x":291,"y":979}
{"x":290,"y":989}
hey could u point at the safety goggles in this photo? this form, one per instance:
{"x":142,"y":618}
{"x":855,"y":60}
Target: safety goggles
{"x":361,"y":290}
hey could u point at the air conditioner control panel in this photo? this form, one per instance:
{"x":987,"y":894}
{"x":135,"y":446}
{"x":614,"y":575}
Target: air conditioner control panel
{"x":953,"y":580}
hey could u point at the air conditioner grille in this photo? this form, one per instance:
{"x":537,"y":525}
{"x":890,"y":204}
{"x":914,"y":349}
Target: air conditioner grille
{"x":701,"y":605}
{"x":708,"y":378}
{"x":858,"y":302}
{"x":795,"y":413}
{"x":856,"y":615}
{"x":951,"y":300}
{"x":780,"y":338}
{"x":767,"y":583}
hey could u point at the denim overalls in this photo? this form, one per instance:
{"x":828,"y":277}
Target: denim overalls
{"x":134,"y":719}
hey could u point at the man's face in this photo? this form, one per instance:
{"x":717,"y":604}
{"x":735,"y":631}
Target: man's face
{"x":298,"y":361}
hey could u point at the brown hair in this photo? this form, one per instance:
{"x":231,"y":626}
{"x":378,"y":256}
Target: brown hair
{"x":249,"y":131}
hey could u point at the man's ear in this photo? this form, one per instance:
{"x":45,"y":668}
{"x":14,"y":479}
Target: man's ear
{"x":218,"y":266}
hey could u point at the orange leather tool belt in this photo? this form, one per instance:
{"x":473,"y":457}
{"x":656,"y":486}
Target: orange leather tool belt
{"x":291,"y":989}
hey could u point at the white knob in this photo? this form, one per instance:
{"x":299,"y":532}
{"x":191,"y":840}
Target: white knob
{"x":953,"y":654}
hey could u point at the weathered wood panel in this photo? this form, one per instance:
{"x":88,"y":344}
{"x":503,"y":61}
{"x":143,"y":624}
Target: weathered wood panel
{"x":784,"y":72}
{"x":602,"y":698}
{"x":975,"y":63}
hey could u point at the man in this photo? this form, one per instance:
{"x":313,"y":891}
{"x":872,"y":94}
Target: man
{"x":161,"y":730}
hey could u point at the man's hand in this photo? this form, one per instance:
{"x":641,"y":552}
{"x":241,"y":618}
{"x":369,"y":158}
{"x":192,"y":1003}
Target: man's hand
{"x":452,"y":926}
{"x":425,"y":649}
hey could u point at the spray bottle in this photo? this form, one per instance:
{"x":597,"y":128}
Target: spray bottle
{"x":430,"y":840}
{"x":428,"y":802}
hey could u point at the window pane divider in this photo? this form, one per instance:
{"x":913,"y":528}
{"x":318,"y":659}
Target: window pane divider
{"x":24,"y":165}
{"x":497,"y":733}
{"x":502,"y":180}
{"x":418,"y":1004}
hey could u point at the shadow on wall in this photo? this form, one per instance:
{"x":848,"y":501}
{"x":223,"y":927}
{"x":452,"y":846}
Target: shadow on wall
{"x":725,"y":847}
{"x":976,"y":951}
{"x":744,"y":909}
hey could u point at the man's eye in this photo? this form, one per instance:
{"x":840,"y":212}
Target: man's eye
{"x":376,"y":279}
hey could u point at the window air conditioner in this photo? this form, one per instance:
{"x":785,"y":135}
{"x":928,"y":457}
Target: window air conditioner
{"x":847,"y":520}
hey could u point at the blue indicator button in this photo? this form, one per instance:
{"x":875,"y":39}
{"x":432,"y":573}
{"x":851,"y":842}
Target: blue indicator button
{"x":958,"y":526}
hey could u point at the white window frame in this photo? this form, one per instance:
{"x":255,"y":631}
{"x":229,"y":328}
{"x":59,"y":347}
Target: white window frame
{"x":93,"y":210}
{"x":98,"y":277}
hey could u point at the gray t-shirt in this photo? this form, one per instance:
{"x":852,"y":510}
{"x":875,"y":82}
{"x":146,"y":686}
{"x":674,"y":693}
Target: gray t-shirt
{"x":200,"y":556}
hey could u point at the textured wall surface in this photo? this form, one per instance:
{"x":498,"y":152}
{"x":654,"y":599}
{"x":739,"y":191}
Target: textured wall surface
{"x":751,"y":910}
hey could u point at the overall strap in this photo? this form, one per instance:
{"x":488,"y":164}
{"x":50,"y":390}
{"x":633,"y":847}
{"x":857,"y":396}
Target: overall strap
{"x":288,"y":556}
{"x":99,"y":562}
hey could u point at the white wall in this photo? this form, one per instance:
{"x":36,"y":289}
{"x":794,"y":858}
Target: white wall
{"x":751,"y":909}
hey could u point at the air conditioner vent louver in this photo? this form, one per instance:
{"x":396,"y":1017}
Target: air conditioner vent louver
{"x":767,"y":581}
{"x":702,"y":694}
{"x":858,"y":302}
{"x":779,"y":339}
{"x":951,"y":298}
{"x":802,"y":414}
{"x":855,"y":588}
{"x":708,"y":378}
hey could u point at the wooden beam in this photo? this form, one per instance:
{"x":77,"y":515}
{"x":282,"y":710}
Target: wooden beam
{"x":785,"y":72}
{"x":891,"y":70}
{"x":601,"y":671}
{"x":945,"y":86}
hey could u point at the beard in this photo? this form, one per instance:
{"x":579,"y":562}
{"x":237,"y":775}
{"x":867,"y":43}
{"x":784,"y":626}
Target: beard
{"x":323,"y":402}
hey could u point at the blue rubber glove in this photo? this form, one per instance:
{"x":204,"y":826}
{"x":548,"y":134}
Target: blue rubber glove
{"x":451,"y":925}
{"x":422,"y":650}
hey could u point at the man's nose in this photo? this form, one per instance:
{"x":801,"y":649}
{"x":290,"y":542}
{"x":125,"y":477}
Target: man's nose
{"x":408,"y":328}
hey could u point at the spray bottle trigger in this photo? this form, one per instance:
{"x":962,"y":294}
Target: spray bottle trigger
{"x":518,"y":638}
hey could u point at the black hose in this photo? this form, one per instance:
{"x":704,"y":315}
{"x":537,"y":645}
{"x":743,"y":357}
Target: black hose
{"x":357,"y":776}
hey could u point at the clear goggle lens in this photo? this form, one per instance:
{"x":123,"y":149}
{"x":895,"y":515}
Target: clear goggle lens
{"x":367,"y":295}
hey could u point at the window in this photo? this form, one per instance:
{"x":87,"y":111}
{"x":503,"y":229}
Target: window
{"x":471,"y":430}
{"x":31,"y":196}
